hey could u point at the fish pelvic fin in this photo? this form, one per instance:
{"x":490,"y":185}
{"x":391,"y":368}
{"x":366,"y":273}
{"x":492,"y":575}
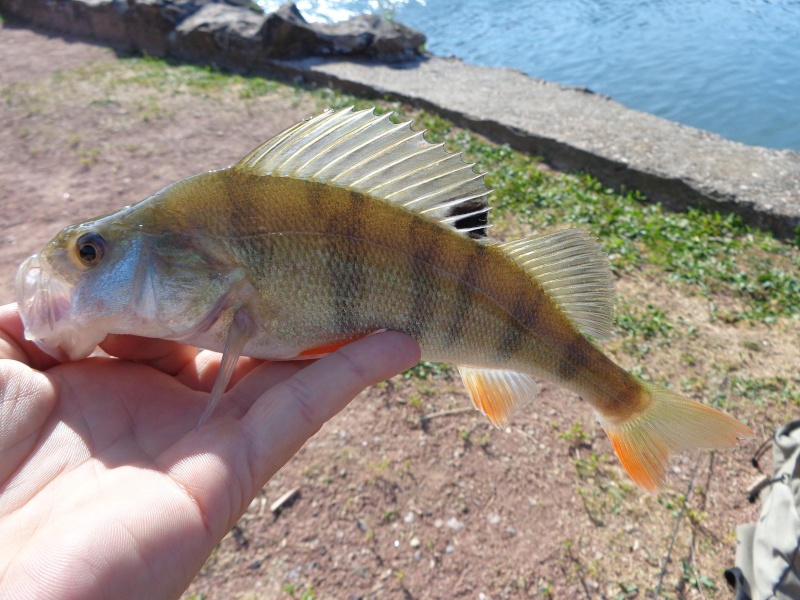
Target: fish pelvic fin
{"x":238,"y":336}
{"x":497,"y":392}
{"x":668,"y":423}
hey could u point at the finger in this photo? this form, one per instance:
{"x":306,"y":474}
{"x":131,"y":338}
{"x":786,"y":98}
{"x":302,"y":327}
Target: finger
{"x":13,"y":344}
{"x":201,"y":373}
{"x":288,"y":414}
{"x":165,"y":355}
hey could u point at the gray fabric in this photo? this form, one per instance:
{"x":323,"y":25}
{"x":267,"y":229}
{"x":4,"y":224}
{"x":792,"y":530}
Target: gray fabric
{"x":767,"y":555}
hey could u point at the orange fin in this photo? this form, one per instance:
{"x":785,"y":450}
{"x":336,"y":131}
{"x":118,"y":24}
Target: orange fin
{"x":670,"y":423}
{"x":497,"y":392}
{"x":324,"y":350}
{"x":320,"y":351}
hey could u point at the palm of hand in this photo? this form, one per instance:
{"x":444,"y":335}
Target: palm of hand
{"x":106,"y":489}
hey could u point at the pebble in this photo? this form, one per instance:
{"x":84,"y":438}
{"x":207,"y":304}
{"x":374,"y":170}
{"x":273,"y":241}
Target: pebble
{"x":415,"y":543}
{"x":455,"y":524}
{"x":449,"y":549}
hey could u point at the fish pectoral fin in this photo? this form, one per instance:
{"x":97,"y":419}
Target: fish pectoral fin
{"x":239,"y":334}
{"x":497,"y":392}
{"x":669,"y":423}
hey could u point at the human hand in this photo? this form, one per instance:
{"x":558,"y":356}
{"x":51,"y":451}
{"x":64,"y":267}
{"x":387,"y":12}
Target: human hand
{"x":107,"y":490}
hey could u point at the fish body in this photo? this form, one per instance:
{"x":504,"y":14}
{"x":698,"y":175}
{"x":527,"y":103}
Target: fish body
{"x":342,"y":226}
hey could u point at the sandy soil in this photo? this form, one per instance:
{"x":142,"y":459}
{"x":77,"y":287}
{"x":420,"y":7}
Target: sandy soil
{"x":403,"y":495}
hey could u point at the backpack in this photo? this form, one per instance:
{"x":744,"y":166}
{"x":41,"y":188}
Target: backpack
{"x":768,"y":551}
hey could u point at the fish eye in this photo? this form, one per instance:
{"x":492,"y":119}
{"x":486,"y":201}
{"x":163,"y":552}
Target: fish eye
{"x":90,"y":248}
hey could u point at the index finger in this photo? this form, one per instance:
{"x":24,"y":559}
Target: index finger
{"x":286,"y":415}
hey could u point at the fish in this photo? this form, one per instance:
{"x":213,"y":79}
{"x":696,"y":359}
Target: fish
{"x":344,"y":225}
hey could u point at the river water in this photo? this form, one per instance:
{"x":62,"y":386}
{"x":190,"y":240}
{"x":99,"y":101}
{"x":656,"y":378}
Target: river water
{"x":728,"y":66}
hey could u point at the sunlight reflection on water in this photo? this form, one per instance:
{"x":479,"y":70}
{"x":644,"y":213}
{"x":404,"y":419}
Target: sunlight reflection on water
{"x":728,"y":66}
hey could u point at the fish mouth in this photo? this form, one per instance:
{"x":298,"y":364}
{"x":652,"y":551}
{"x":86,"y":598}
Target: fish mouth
{"x":45,"y":306}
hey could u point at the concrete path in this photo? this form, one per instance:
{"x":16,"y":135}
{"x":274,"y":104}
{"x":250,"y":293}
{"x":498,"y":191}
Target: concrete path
{"x":575,"y":129}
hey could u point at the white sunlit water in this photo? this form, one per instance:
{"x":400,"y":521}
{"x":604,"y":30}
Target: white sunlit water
{"x":728,"y":66}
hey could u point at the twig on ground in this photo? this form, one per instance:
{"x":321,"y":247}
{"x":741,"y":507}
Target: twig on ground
{"x":446,"y":413}
{"x":677,"y":526}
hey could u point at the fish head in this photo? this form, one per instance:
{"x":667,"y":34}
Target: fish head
{"x":121,"y":273}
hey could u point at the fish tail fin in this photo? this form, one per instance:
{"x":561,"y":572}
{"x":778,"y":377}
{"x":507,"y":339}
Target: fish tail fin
{"x":668,"y":423}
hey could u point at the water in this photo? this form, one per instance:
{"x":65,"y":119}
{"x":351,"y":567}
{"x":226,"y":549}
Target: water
{"x":728,"y":66}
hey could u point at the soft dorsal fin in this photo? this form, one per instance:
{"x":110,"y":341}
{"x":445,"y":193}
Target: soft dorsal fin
{"x":573,"y":269}
{"x":368,"y":153}
{"x":497,"y":393}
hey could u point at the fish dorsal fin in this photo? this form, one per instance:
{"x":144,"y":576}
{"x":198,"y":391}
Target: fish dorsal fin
{"x":497,"y":392}
{"x":365,"y":152}
{"x":573,"y":269}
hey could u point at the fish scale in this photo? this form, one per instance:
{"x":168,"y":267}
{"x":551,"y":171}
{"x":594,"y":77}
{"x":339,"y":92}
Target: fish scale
{"x":344,"y":225}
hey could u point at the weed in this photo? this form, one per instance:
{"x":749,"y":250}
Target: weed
{"x":627,"y":590}
{"x":390,"y":515}
{"x":576,"y":435}
{"x":425,"y":369}
{"x":381,"y":467}
{"x":692,"y":576}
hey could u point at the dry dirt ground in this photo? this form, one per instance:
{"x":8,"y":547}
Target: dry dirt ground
{"x":403,"y":495}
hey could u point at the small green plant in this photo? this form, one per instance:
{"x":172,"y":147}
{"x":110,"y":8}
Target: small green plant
{"x":627,"y":590}
{"x":576,"y":435}
{"x":308,"y":594}
{"x":388,"y":10}
{"x":425,"y":369}
{"x":692,"y":576}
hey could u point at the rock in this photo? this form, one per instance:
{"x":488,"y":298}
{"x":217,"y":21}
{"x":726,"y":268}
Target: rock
{"x":287,"y":34}
{"x":220,"y":34}
{"x":142,"y":25}
{"x":149,"y":22}
{"x":97,"y":19}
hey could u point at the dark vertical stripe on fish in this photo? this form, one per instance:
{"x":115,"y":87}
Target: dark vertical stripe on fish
{"x":574,"y":357}
{"x":345,"y":266}
{"x":423,"y":292}
{"x":466,"y":294}
{"x":525,"y":311}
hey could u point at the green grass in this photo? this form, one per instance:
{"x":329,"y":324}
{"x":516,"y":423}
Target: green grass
{"x":172,"y":77}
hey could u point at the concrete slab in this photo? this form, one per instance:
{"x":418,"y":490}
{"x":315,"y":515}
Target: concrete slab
{"x":577,"y":130}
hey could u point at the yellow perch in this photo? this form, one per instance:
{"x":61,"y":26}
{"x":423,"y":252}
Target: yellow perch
{"x":341,"y":226}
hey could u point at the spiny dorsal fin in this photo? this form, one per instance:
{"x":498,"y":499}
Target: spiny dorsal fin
{"x":497,"y":392}
{"x":573,"y":269}
{"x":368,"y":153}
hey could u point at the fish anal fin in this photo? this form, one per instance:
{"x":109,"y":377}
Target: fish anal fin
{"x":573,"y":269}
{"x":497,"y":392}
{"x":668,"y":423}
